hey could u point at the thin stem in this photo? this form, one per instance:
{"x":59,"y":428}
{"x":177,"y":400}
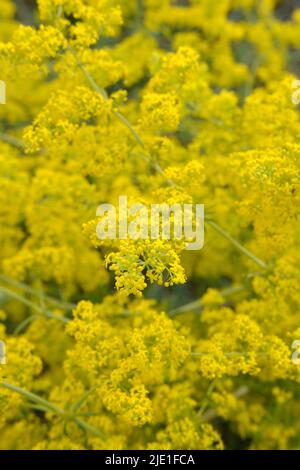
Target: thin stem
{"x":239,"y":393}
{"x":35,"y":398}
{"x":88,"y":427}
{"x":244,"y":250}
{"x":206,"y":398}
{"x":103,"y":93}
{"x":197,"y":304}
{"x":156,"y":166}
{"x":139,"y":14}
{"x":24,"y":323}
{"x":36,"y":407}
{"x":9,"y":139}
{"x":80,"y":402}
{"x":232,"y":290}
{"x":20,"y":285}
{"x":130,"y":127}
{"x":52,"y":408}
{"x":89,"y":78}
{"x":32,"y":305}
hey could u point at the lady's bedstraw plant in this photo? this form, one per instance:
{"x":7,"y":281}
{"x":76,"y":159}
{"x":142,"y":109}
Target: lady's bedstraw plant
{"x":170,"y":102}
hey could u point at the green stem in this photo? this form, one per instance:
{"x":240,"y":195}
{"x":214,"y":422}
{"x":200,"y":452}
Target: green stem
{"x":103,"y":93}
{"x":52,"y":408}
{"x":139,"y":14}
{"x":240,"y":247}
{"x":89,"y":428}
{"x":130,"y":127}
{"x":206,"y":399}
{"x":80,"y":402}
{"x":211,"y":414}
{"x":24,"y":323}
{"x":36,"y":407}
{"x":89,"y":78}
{"x":9,"y":139}
{"x":197,"y":304}
{"x":20,"y":285}
{"x":32,"y":305}
{"x":156,"y":166}
{"x":35,"y":398}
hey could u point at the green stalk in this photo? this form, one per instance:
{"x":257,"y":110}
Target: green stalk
{"x":31,"y":290}
{"x":32,"y":305}
{"x":156,"y":166}
{"x":89,"y":78}
{"x":197,"y":304}
{"x":240,"y":247}
{"x":9,"y":139}
{"x":89,"y":428}
{"x":35,"y":398}
{"x":206,"y":399}
{"x":24,"y":323}
{"x":47,"y":405}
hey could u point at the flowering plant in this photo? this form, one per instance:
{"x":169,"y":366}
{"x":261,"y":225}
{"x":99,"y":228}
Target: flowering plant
{"x":138,"y":343}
